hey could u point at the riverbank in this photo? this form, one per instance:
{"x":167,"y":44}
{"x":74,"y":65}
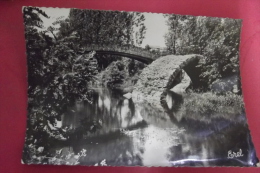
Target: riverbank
{"x":208,"y":106}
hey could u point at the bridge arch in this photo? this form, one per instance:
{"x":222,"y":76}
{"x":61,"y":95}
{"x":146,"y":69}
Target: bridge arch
{"x":158,"y":78}
{"x":130,"y":51}
{"x":189,"y":65}
{"x":142,"y":59}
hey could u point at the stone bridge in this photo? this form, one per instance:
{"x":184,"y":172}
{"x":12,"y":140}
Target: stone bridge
{"x":161,"y":75}
{"x":129,"y":51}
{"x":164,"y":74}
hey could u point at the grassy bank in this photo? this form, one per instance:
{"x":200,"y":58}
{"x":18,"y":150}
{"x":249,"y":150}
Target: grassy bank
{"x":207,"y":106}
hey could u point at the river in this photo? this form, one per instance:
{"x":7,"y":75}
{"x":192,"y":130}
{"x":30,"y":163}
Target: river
{"x":128,"y":134}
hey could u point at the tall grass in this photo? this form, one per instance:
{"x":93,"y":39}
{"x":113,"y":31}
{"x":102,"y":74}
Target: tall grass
{"x":207,"y":106}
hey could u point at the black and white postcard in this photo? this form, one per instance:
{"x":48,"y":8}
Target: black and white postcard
{"x":115,"y":88}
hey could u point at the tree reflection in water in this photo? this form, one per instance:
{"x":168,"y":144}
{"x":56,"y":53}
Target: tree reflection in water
{"x":138,"y":134}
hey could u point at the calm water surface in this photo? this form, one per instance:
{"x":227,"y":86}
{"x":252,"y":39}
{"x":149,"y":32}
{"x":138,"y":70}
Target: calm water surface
{"x":125,"y":133}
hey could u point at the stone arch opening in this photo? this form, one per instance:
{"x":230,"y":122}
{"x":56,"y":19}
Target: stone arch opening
{"x":165,"y":73}
{"x":187,"y":75}
{"x":187,"y":68}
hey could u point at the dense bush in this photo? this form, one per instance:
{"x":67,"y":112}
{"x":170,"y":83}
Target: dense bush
{"x":121,"y":74}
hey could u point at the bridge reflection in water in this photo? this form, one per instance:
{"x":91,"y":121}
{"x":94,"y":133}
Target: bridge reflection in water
{"x":138,"y":134}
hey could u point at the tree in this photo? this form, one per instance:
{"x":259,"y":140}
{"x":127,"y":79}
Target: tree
{"x":103,"y":28}
{"x":215,"y":38}
{"x":147,"y":47}
{"x":36,"y":43}
{"x":51,"y":30}
{"x":222,"y":50}
{"x":32,"y":18}
{"x":57,"y":74}
{"x":175,"y":24}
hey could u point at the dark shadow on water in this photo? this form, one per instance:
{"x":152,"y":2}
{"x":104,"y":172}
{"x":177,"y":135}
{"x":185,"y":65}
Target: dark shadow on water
{"x":176,"y":101}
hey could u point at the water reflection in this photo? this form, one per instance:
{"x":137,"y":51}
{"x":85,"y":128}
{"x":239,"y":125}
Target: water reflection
{"x":138,"y":134}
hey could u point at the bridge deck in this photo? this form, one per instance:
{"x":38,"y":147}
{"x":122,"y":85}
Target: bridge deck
{"x":129,"y":51}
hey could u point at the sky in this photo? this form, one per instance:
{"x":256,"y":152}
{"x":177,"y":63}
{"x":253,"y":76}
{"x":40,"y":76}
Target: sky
{"x":53,"y":13}
{"x":156,"y":29}
{"x":154,"y":22}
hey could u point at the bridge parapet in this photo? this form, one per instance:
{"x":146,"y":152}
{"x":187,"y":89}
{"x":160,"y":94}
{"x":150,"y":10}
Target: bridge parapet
{"x":130,"y":51}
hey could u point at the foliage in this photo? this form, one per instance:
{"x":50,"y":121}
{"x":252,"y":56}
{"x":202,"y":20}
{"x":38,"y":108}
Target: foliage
{"x":60,"y":68}
{"x":102,"y":163}
{"x":147,"y":47}
{"x":103,"y":28}
{"x":135,"y":67}
{"x":32,"y":17}
{"x":58,"y":76}
{"x":36,"y":42}
{"x":64,"y":81}
{"x":215,"y":38}
{"x":175,"y":24}
{"x":207,"y":106}
{"x":122,"y":74}
{"x":58,"y":158}
{"x":114,"y":74}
